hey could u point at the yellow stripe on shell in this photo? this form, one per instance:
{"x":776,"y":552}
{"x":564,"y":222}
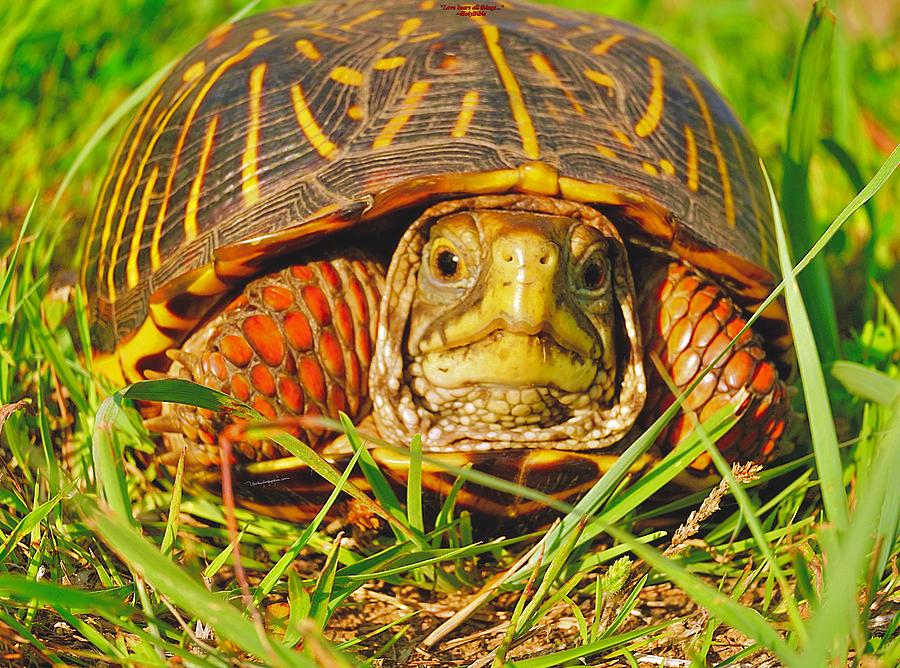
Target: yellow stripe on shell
{"x":195,"y":71}
{"x":623,"y":138}
{"x":601,"y":79}
{"x":466,"y":114}
{"x":308,"y":125}
{"x":514,"y":93}
{"x":389,"y":63}
{"x":250,"y":158}
{"x":346,"y":76}
{"x":307,"y":49}
{"x":727,"y":197}
{"x":413,"y":99}
{"x":604,"y":46}
{"x":546,"y":24}
{"x":132,"y":275}
{"x":424,"y":38}
{"x":606,"y":151}
{"x":693,"y":174}
{"x":193,"y":203}
{"x":362,"y":18}
{"x":409,"y":26}
{"x":667,"y":167}
{"x":543,"y":67}
{"x":653,"y":113}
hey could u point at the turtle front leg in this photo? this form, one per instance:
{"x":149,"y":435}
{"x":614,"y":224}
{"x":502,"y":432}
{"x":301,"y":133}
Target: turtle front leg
{"x":297,"y":341}
{"x":687,"y":321}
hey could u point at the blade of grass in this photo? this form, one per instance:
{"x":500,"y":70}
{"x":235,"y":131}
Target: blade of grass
{"x":803,"y":129}
{"x":815,"y":392}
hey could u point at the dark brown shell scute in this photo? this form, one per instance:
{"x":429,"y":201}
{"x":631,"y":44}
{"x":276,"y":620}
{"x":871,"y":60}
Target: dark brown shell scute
{"x":273,"y":119}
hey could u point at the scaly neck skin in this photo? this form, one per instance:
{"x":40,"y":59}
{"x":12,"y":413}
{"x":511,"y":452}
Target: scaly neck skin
{"x":515,"y":329}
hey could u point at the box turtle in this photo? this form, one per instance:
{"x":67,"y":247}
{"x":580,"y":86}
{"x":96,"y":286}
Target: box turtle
{"x":501,"y":228}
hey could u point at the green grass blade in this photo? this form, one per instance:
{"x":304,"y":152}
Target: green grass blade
{"x":867,"y":383}
{"x":818,"y":406}
{"x":414,"y":485}
{"x":803,"y":128}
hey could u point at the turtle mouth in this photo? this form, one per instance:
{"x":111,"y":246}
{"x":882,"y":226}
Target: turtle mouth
{"x":509,"y":357}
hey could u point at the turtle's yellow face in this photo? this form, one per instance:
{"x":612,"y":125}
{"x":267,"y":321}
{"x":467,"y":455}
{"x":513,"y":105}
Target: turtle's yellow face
{"x":518,"y":333}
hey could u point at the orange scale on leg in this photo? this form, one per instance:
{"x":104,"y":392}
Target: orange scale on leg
{"x":239,"y":301}
{"x":236,"y":350}
{"x":677,"y":306}
{"x":317,"y":304}
{"x":715,"y":348}
{"x":343,"y":322}
{"x":762,"y":408}
{"x":679,"y":338}
{"x":715,"y":404}
{"x":702,"y":392}
{"x":277,"y":298}
{"x":218,"y":366}
{"x":291,"y":394}
{"x":700,"y":304}
{"x":705,"y":330}
{"x":734,"y":326}
{"x":331,"y":354}
{"x":686,"y":367}
{"x":358,"y":303}
{"x":302,"y":273}
{"x":337,"y":400}
{"x":330,"y":275}
{"x":738,"y":369}
{"x":262,"y":380}
{"x":723,"y":311}
{"x":702,"y":463}
{"x":354,"y":375}
{"x":263,"y":407}
{"x":299,"y":333}
{"x":263,"y":335}
{"x":312,"y":379}
{"x":240,"y":388}
{"x":688,"y":286}
{"x":363,"y":346}
{"x":290,"y":365}
{"x":764,"y":378}
{"x":778,"y":431}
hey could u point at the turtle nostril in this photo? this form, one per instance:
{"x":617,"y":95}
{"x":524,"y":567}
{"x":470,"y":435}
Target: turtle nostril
{"x":508,"y":257}
{"x":545,"y":259}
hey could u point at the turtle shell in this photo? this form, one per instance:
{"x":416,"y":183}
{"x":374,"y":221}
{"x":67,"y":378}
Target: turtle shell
{"x":294,"y":124}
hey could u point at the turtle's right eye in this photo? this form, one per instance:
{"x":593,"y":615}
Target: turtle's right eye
{"x":446,"y":263}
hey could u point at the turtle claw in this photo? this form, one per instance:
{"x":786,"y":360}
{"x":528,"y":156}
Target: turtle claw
{"x":187,"y":361}
{"x":163,"y":424}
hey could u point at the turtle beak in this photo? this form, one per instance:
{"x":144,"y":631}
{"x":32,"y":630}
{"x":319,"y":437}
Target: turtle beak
{"x":520,"y":289}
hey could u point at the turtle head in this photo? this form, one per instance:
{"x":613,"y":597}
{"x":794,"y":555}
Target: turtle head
{"x":509,"y":322}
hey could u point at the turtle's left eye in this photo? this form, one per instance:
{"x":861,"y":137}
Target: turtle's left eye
{"x":446,"y":263}
{"x":592,"y":273}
